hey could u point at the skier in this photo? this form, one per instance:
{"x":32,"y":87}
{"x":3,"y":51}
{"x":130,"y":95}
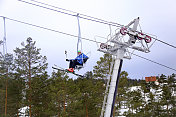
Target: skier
{"x":79,"y":60}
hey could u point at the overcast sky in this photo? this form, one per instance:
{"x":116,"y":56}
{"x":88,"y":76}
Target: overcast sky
{"x":157,"y":17}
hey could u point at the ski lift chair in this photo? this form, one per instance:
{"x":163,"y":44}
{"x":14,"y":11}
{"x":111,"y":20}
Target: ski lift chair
{"x":78,"y":67}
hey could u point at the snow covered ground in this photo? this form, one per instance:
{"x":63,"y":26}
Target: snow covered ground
{"x":24,"y":111}
{"x":157,"y":95}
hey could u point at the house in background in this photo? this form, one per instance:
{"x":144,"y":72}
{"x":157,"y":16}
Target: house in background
{"x":152,"y":79}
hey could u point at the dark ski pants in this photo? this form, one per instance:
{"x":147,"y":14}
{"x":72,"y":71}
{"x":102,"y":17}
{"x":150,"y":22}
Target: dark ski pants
{"x":73,"y":63}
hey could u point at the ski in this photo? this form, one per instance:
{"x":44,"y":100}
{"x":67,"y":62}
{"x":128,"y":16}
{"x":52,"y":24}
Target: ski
{"x":65,"y":70}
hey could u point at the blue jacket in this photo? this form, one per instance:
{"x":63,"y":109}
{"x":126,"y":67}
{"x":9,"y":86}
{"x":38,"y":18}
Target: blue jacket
{"x":82,"y":58}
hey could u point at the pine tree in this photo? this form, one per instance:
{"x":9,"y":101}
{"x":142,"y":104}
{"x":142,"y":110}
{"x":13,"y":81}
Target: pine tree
{"x":172,"y":87}
{"x":101,"y":70}
{"x":122,"y":89}
{"x":74,"y":105}
{"x":30,"y":65}
{"x":165,"y":94}
{"x":136,"y":101}
{"x":2,"y":95}
{"x":2,"y":85}
{"x":58,"y":94}
{"x":7,"y":82}
{"x":91,"y":91}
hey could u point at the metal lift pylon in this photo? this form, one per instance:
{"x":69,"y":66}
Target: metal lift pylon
{"x":114,"y":84}
{"x":119,"y":51}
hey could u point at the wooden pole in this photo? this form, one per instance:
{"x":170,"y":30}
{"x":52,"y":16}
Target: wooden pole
{"x":6,"y":93}
{"x":58,"y":114}
{"x":86,"y":107}
{"x":86,"y":110}
{"x":30,"y":114}
{"x":6,"y":100}
{"x":64,"y":106}
{"x":29,"y":71}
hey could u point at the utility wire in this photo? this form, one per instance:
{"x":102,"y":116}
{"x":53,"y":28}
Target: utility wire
{"x":81,"y":37}
{"x":89,"y":17}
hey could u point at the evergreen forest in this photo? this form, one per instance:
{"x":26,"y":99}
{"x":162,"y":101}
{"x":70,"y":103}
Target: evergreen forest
{"x":26,"y":88}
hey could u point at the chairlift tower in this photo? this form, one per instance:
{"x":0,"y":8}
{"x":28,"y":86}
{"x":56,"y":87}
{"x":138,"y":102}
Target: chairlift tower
{"x":118,"y":47}
{"x":7,"y":58}
{"x":3,"y":43}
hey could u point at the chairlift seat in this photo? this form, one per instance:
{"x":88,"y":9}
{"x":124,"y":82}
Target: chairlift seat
{"x":78,"y":67}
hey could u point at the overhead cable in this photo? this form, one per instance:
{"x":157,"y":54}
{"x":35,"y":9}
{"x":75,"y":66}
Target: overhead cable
{"x":86,"y":17}
{"x":48,"y":29}
{"x":154,"y":62}
{"x":81,"y":37}
{"x":75,"y":14}
{"x":164,"y":42}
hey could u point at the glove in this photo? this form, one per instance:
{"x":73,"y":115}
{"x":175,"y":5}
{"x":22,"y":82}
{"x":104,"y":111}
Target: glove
{"x":67,"y":60}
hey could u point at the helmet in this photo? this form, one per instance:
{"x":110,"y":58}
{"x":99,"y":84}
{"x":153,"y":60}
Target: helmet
{"x":79,"y":50}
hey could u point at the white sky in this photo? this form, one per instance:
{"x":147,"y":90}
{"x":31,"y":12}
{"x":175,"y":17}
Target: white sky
{"x":156,"y":17}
